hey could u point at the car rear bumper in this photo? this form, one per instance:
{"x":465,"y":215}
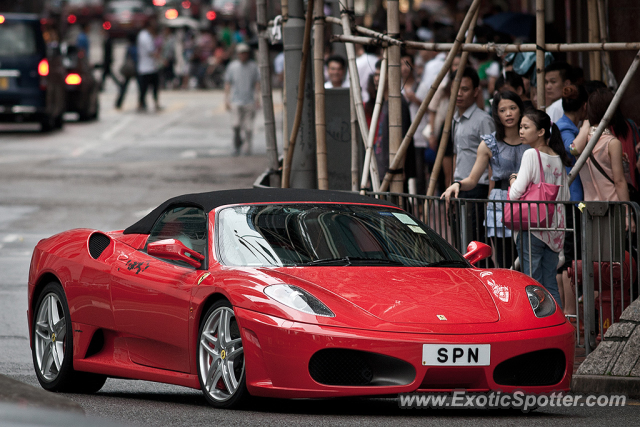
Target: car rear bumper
{"x":23,"y":105}
{"x":21,"y":113}
{"x":279,"y":353}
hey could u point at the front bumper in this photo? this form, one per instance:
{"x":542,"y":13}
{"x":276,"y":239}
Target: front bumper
{"x":278,"y":352}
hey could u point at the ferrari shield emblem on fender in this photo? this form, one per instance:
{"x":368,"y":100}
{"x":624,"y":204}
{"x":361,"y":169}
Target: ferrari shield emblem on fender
{"x":204,"y":276}
{"x":441,"y":317}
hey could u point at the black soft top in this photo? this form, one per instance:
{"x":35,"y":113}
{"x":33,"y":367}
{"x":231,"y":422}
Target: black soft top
{"x":213,"y":199}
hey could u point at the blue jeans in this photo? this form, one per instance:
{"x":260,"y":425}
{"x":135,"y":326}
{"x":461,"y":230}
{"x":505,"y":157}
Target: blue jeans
{"x":544,"y":263}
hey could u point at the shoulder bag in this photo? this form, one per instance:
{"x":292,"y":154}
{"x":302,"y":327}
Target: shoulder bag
{"x":521,"y":216}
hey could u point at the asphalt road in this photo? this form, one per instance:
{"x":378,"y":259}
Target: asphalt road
{"x":106,"y":175}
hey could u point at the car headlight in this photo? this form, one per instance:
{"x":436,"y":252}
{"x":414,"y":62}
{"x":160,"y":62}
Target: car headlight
{"x":299,"y":299}
{"x":541,"y":301}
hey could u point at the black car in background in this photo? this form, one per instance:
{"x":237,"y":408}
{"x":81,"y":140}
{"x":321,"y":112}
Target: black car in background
{"x":32,"y":86}
{"x":81,"y":85}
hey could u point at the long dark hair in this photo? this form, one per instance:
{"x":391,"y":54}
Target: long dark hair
{"x":597,"y":106}
{"x":551,"y":132}
{"x":499,"y":96}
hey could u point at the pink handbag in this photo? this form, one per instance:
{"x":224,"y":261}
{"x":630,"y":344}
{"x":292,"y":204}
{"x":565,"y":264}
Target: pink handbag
{"x":516,"y":215}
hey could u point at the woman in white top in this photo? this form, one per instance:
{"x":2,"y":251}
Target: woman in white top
{"x":546,"y":246}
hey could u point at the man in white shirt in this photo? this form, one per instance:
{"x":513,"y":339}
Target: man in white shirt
{"x":432,"y":68}
{"x":336,"y":67}
{"x":366,"y":64}
{"x":148,"y":61}
{"x":557,"y":76}
{"x":242,"y":96}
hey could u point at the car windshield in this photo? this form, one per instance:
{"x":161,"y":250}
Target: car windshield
{"x":17,"y":39}
{"x":328,"y":235}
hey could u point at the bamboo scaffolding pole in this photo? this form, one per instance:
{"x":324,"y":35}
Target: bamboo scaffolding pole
{"x":606,"y":57}
{"x":394,"y":98}
{"x":368,"y":32}
{"x":492,"y":47}
{"x":286,"y":169}
{"x":594,"y":35}
{"x":318,"y":75}
{"x":267,"y":99}
{"x":432,"y":90}
{"x":448,"y":121}
{"x":540,"y":49}
{"x":374,"y":121}
{"x":354,"y":147}
{"x":356,"y":96}
{"x":615,"y":102}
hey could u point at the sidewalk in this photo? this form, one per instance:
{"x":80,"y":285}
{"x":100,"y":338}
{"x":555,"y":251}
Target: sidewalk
{"x":614,"y":366}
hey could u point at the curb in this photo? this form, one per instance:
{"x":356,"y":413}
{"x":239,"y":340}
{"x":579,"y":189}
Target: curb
{"x":25,"y":395}
{"x":604,"y":384}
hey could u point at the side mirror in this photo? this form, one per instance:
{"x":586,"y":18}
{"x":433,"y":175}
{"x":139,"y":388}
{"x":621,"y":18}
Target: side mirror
{"x":175,"y":250}
{"x":477,"y":251}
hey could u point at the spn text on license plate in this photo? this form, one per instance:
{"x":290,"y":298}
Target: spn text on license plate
{"x":456,"y":354}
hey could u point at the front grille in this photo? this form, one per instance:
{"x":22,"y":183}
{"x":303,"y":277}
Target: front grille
{"x":538,"y":368}
{"x":98,"y":242}
{"x":345,"y":367}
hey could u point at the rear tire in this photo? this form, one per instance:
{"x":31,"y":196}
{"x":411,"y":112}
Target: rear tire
{"x":221,"y":367}
{"x":52,"y":346}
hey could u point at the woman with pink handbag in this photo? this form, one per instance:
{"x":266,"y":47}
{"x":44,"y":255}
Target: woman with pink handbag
{"x":540,"y":251}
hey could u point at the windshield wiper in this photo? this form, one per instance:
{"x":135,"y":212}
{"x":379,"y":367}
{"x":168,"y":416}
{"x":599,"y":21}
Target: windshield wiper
{"x":348,"y":260}
{"x":448,"y":263}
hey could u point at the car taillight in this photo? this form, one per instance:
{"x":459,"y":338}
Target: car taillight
{"x":43,"y":68}
{"x":106,"y":25}
{"x":1,"y":19}
{"x":73,"y":79}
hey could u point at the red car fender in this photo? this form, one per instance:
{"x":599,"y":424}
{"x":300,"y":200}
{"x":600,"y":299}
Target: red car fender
{"x":507,"y":288}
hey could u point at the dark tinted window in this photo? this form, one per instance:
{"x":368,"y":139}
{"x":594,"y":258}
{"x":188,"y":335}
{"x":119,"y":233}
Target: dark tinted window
{"x":186,"y":224}
{"x":17,"y":39}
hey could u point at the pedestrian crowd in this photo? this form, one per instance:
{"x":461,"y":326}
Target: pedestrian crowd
{"x":500,"y":143}
{"x":171,"y":58}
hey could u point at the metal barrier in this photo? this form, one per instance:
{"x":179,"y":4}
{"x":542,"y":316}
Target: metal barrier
{"x":598,"y":232}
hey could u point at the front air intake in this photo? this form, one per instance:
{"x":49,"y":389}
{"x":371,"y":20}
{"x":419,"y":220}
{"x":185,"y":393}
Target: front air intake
{"x":346,"y":367}
{"x":538,"y":368}
{"x":98,"y":242}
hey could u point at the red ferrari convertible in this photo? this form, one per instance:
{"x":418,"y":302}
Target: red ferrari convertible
{"x":287,"y":293}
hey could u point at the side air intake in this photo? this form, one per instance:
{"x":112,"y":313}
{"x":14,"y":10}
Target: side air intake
{"x":98,"y":242}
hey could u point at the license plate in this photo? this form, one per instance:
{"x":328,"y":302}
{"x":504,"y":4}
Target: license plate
{"x":4,"y":83}
{"x":456,"y":354}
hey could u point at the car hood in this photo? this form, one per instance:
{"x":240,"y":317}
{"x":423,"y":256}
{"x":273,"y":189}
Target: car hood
{"x":406,"y":294}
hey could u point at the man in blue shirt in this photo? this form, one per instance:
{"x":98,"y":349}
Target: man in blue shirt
{"x":82,"y":41}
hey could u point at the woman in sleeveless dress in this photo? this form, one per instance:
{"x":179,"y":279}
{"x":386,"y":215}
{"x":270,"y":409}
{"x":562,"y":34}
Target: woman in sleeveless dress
{"x":502,"y":150}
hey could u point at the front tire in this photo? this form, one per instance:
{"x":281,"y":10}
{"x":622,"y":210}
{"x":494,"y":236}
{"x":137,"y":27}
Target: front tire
{"x":52,"y":346}
{"x":221,"y":366}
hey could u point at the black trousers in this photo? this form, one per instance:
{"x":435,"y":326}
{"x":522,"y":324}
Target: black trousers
{"x":474,"y":217}
{"x":123,"y":91}
{"x":146,"y":80}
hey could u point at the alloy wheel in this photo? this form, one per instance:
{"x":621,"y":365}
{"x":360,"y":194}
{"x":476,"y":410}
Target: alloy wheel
{"x":50,"y":337}
{"x":221,"y":355}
